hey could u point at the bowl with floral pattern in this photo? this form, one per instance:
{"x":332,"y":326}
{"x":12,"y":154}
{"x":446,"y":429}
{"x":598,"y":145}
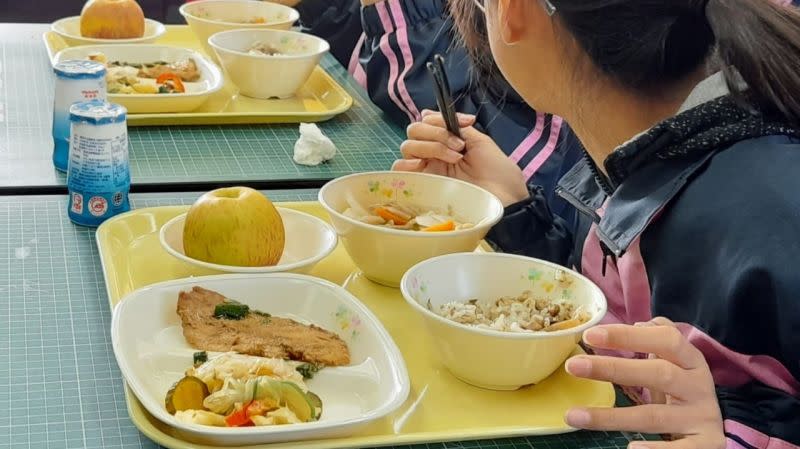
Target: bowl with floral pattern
{"x":449,"y":216}
{"x":502,"y":321}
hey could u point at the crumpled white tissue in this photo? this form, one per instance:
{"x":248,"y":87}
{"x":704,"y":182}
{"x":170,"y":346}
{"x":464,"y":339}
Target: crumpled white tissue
{"x":313,"y":147}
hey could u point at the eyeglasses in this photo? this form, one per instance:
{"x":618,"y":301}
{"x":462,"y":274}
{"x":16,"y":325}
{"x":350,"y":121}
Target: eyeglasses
{"x":548,"y":6}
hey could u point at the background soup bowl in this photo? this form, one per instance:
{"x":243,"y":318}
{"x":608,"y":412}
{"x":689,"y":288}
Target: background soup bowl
{"x":492,"y":359}
{"x":268,"y":76}
{"x":208,"y":17}
{"x":384,"y":254}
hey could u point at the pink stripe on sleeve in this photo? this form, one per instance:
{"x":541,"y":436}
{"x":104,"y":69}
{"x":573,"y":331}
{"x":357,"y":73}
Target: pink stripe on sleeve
{"x":731,"y":444}
{"x":528,"y":143}
{"x":753,"y":437}
{"x":547,"y":151}
{"x":394,"y":65}
{"x":354,"y":67}
{"x":408,"y":57}
{"x":733,"y":369}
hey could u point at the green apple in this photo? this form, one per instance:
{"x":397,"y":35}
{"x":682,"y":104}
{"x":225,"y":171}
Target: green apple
{"x":235,"y":226}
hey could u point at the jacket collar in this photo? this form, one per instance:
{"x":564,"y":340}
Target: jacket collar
{"x":646,"y":173}
{"x":628,"y":156}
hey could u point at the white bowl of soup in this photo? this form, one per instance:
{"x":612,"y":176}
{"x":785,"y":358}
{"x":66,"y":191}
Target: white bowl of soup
{"x":502,"y":321}
{"x":267,"y":64}
{"x":208,"y":17}
{"x":390,"y":221}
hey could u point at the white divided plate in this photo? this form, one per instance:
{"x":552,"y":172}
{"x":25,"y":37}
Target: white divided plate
{"x":308,"y":241}
{"x":196,"y":92}
{"x":152,"y":353}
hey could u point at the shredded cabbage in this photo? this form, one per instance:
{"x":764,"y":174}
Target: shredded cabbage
{"x":236,"y":391}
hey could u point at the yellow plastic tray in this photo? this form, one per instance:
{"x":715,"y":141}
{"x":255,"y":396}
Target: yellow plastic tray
{"x":440,"y":407}
{"x":321,"y":98}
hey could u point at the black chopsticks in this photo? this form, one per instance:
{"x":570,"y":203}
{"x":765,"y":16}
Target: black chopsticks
{"x":444,"y":98}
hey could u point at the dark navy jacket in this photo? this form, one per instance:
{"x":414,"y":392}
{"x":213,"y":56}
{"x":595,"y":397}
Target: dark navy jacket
{"x":389,"y":59}
{"x":698,"y":220}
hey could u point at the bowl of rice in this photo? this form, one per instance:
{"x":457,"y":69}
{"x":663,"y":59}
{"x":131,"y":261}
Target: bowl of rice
{"x":502,"y":321}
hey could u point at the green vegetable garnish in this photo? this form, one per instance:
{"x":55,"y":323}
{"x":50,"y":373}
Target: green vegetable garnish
{"x":231,"y":310}
{"x":308,"y":370}
{"x":200,"y":358}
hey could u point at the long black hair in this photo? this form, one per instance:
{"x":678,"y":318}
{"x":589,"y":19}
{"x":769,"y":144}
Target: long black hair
{"x":647,"y":45}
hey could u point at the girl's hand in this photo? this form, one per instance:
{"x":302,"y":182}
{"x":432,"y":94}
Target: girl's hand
{"x":430,"y":148}
{"x":676,"y":372}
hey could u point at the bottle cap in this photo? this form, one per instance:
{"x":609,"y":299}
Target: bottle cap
{"x":97,"y":112}
{"x":80,"y":69}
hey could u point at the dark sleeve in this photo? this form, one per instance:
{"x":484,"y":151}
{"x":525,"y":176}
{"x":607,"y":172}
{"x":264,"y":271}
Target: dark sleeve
{"x":401,"y":37}
{"x":337,"y":21}
{"x":723,"y":260}
{"x":529,"y":228}
{"x":757,"y":416}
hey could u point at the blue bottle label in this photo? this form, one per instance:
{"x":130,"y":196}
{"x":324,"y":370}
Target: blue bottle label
{"x":99,"y":175}
{"x":92,"y":209}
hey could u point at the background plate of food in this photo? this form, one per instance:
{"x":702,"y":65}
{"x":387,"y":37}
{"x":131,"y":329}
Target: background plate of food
{"x":253,"y":359}
{"x":152,"y":78}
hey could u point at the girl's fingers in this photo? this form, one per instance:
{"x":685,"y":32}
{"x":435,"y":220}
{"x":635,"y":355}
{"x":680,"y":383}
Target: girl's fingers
{"x":653,"y":419}
{"x":424,"y":131}
{"x":440,"y":168}
{"x":661,"y":321}
{"x":415,"y":165}
{"x":654,"y":374}
{"x":427,"y":112}
{"x":412,"y":149}
{"x":656,"y":396}
{"x":436,"y":119}
{"x":666,"y":342}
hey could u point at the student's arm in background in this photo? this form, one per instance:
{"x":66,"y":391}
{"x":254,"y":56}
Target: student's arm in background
{"x":400,"y":38}
{"x":337,"y":21}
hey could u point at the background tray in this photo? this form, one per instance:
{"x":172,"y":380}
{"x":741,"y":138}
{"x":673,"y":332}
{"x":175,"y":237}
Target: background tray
{"x":439,"y":408}
{"x":321,"y":98}
{"x":163,"y":156}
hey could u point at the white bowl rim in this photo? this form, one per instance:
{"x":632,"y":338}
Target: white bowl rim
{"x":217,"y":84}
{"x":487,"y":222}
{"x":325,"y":47}
{"x":394,"y":354}
{"x":596,"y":318}
{"x":294,"y":15}
{"x":255,"y":270}
{"x":159,"y":28}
